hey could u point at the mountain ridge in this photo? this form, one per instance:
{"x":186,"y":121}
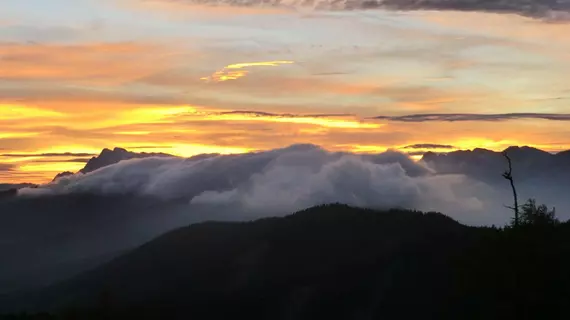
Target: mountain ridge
{"x":112,"y":156}
{"x":326,"y":262}
{"x":529,"y":163}
{"x":109,"y":157}
{"x":223,"y":261}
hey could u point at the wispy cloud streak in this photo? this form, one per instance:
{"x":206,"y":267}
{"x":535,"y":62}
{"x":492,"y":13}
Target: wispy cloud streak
{"x":239,"y":70}
{"x":542,"y":9}
{"x":452,"y":117}
{"x":429,"y":146}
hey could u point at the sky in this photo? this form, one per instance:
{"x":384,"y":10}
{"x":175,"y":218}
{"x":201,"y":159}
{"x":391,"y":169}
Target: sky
{"x":77,"y":76}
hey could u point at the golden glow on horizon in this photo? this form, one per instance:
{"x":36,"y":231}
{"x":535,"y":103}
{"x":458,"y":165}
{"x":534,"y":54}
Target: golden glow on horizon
{"x":7,"y":135}
{"x":17,"y":112}
{"x":67,"y":148}
{"x":14,"y":159}
{"x":236,"y":71}
{"x":133,"y":133}
{"x":319,"y":121}
{"x":139,"y":115}
{"x":169,"y":135}
{"x":463,"y":144}
{"x":188,"y":150}
{"x":363,"y":148}
{"x":186,"y":131}
{"x":51,"y":167}
{"x":32,"y":171}
{"x":473,"y":143}
{"x":416,"y":157}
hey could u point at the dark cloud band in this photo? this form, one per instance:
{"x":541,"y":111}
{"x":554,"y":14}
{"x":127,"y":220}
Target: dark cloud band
{"x":551,"y":10}
{"x":283,"y":115}
{"x":429,"y":146}
{"x":65,"y":154}
{"x":452,"y":117}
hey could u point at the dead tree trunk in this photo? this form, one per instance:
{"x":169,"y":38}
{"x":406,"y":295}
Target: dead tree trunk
{"x":509,"y":176}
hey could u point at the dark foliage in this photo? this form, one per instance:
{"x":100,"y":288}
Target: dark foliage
{"x":537,"y":216}
{"x":328,"y":262}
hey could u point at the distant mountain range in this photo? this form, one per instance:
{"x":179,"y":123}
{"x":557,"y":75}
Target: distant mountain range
{"x":529,"y":164}
{"x":108,"y":157}
{"x":482,"y":164}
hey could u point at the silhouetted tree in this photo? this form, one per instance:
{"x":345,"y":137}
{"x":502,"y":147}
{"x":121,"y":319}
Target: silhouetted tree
{"x":509,"y":176}
{"x":533,"y":215}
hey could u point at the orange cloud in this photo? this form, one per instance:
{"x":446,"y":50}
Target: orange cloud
{"x":100,"y":63}
{"x":16,"y":112}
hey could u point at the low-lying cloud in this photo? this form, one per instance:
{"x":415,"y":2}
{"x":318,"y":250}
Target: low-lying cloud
{"x":281,"y":181}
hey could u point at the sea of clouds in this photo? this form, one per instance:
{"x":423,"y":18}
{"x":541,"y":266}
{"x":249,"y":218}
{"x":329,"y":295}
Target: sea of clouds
{"x":281,"y":181}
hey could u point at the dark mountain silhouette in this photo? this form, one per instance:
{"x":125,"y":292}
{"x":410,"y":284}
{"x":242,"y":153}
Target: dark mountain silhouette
{"x":480,"y":163}
{"x":483,"y":164}
{"x":276,"y":268}
{"x":529,"y":164}
{"x":63,"y":174}
{"x":109,"y":157}
{"x":327,"y":262}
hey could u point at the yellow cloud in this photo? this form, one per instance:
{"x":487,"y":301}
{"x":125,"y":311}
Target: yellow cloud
{"x":188,"y":150}
{"x":356,"y":148}
{"x":51,"y":168}
{"x":67,"y":148}
{"x":318,"y":121}
{"x":469,"y":144}
{"x":18,"y":112}
{"x":19,"y":159}
{"x":133,"y":133}
{"x":137,"y":115}
{"x":236,"y":71}
{"x":7,"y":135}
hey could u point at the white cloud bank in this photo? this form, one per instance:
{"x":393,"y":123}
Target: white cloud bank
{"x":284,"y":180}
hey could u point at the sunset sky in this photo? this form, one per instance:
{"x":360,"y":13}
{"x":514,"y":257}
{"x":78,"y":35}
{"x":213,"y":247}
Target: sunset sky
{"x":77,"y":76}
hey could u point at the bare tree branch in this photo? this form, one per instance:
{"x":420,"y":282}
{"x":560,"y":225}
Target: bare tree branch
{"x":509,"y":176}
